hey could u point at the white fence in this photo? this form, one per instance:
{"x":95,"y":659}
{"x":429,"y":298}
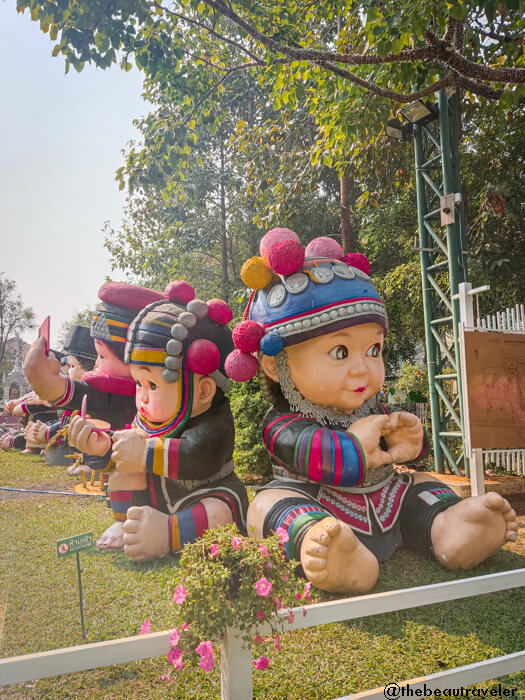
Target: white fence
{"x":236,"y":659}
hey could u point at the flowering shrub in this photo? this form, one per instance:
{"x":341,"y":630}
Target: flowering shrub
{"x":226,"y":580}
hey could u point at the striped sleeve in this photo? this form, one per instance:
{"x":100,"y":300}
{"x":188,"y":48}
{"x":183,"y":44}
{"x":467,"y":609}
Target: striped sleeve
{"x":322,"y":455}
{"x":162,"y":457}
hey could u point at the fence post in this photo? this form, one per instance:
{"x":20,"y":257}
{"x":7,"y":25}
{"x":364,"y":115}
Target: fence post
{"x":236,"y":667}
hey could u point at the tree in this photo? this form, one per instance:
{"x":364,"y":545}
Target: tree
{"x":14,"y":318}
{"x":79,"y":318}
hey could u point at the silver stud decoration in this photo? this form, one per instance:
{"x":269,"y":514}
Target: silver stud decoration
{"x":179,"y":332}
{"x":187,"y":319}
{"x":198,"y":308}
{"x":172,"y":362}
{"x":326,"y":317}
{"x":170,"y":375}
{"x":174,"y":347}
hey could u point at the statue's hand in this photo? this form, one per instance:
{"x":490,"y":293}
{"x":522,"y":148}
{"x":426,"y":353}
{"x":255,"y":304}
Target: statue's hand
{"x":369,"y":431}
{"x":405,"y":437}
{"x":43,"y":372}
{"x":129,"y":450}
{"x":81,"y":436}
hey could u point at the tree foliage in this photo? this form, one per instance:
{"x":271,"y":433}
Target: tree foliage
{"x":15,"y":318}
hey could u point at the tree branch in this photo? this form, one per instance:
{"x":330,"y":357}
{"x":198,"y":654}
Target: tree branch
{"x":211,"y":31}
{"x":468,"y":69}
{"x":210,"y":92}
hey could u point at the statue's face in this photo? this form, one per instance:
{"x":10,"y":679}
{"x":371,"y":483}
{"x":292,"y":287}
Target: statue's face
{"x":156,"y":400}
{"x":340,"y":369}
{"x":75,"y":370}
{"x":108,"y":362}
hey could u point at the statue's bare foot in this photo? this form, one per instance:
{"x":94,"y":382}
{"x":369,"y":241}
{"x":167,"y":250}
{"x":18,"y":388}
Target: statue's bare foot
{"x":468,"y":532}
{"x":112,"y":540}
{"x":335,"y":560}
{"x":146,"y":534}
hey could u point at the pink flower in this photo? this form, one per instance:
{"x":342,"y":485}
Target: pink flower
{"x":184,"y":626}
{"x":214,"y":550}
{"x":263,"y":587}
{"x":167,"y":678}
{"x":278,"y":602}
{"x":277,"y":642}
{"x":236,"y":541}
{"x":282,"y":534}
{"x":204,"y":649}
{"x":291,"y":617}
{"x":260,"y":615}
{"x":175,"y":636}
{"x":261,"y":663}
{"x":269,"y":565}
{"x":297,"y":596}
{"x":179,"y":596}
{"x":175,"y":657}
{"x":207,"y":663}
{"x":264,"y":550}
{"x":258,"y":639}
{"x":146,"y":627}
{"x":307,"y":591}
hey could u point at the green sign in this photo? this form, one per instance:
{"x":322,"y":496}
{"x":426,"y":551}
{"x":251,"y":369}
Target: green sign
{"x":74,"y":544}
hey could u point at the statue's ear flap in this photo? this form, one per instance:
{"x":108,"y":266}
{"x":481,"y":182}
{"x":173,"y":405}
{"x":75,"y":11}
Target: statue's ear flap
{"x":269,"y":367}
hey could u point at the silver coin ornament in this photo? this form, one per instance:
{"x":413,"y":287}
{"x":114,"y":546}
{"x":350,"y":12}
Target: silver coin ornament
{"x":343,"y":272}
{"x":174,"y":347}
{"x":170,"y":375}
{"x":276,"y":295}
{"x":179,"y":332}
{"x":362,"y":275}
{"x":296,"y":283}
{"x":322,"y":274}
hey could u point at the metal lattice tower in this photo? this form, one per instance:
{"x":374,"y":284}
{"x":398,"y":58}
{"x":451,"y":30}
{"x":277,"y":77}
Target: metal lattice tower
{"x":443,"y":268}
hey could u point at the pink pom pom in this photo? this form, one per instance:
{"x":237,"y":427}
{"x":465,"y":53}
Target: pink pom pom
{"x":275,"y":235}
{"x":247,"y":336}
{"x":130,"y":296}
{"x":179,"y":291}
{"x":219,"y":312}
{"x":286,"y":257}
{"x":324,"y":247}
{"x":241,"y":366}
{"x":358,"y":260}
{"x":203,"y":357}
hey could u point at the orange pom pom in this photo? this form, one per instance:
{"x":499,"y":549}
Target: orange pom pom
{"x":255,"y":273}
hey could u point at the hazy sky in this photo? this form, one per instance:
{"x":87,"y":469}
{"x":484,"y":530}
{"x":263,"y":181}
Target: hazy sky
{"x":60,"y":144}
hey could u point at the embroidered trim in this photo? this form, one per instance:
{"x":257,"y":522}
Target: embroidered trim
{"x":321,"y":414}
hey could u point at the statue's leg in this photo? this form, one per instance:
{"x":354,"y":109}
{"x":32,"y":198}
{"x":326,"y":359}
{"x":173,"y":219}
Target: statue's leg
{"x":151,"y":534}
{"x":460,"y":533}
{"x":332,"y":557}
{"x":125,"y":491}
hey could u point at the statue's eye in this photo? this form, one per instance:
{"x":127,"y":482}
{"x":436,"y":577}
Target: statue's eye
{"x":339,"y":353}
{"x":139,"y":384}
{"x":152,"y":386}
{"x":374,"y":351}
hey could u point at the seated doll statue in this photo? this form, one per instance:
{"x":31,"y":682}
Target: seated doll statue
{"x":79,"y":358}
{"x":109,"y":388}
{"x":182,"y":438}
{"x":319,"y":325}
{"x":33,"y":412}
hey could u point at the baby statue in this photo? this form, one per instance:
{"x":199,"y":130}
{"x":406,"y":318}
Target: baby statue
{"x":182,"y":437}
{"x":318,"y":325}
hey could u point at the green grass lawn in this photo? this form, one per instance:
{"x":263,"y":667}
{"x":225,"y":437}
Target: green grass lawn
{"x":39,"y":604}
